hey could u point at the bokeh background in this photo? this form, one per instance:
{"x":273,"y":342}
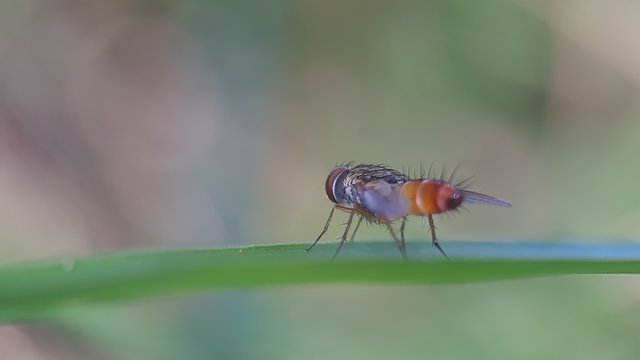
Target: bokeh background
{"x":158,"y":124}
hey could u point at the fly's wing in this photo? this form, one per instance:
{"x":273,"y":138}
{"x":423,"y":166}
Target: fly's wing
{"x":384,"y":200}
{"x":470,"y":197}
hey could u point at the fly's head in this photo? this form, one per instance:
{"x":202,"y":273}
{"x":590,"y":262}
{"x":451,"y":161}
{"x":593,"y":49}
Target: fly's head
{"x":335,"y":186}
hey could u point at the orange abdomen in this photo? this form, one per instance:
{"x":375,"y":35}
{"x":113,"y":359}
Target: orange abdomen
{"x":429,"y":197}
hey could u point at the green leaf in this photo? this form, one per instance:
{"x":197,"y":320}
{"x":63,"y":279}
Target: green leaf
{"x":33,"y":291}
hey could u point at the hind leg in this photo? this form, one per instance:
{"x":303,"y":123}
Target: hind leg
{"x":434,"y":240}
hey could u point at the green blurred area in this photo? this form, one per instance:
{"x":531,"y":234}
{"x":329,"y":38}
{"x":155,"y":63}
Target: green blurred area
{"x":538,"y":100}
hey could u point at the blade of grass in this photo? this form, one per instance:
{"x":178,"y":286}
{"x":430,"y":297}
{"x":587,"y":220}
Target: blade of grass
{"x":31,"y":291}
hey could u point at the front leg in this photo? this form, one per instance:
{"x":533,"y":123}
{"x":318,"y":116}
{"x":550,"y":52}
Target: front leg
{"x":344,"y":236}
{"x":353,"y":234}
{"x":324,"y":230}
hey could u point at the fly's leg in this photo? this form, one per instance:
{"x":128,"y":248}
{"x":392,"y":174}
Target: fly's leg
{"x":434,"y":240}
{"x":344,"y":236}
{"x":399,"y":243}
{"x":404,"y":222}
{"x":353,"y":234}
{"x":324,"y":230}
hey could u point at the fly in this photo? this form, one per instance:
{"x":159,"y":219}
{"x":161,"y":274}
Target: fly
{"x":383,"y":196}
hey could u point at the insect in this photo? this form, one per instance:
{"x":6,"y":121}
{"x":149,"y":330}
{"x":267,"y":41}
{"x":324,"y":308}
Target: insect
{"x":382,"y":195}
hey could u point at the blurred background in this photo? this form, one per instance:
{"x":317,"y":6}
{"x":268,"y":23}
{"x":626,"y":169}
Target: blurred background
{"x":162,"y":124}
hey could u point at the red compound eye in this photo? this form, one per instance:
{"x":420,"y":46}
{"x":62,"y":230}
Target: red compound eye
{"x":330,"y":185}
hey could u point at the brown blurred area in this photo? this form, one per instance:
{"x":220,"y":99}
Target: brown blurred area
{"x":98,"y":124}
{"x":109,"y":110}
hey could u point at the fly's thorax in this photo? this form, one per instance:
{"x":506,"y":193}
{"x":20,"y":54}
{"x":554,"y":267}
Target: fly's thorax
{"x":372,"y":188}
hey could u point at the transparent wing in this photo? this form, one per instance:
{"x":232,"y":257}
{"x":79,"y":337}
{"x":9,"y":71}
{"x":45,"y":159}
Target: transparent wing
{"x":470,"y":197}
{"x":384,"y":200}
